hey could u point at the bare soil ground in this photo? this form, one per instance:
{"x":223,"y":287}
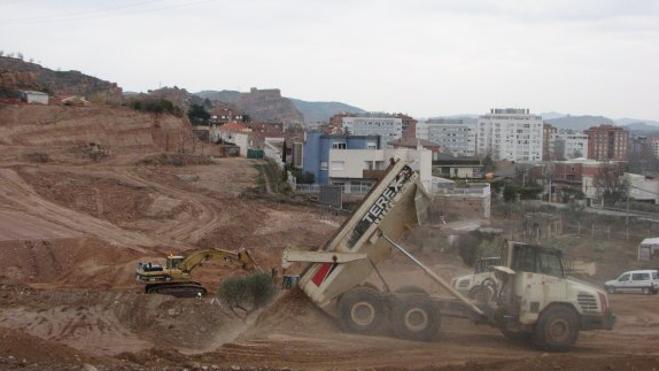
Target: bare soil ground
{"x":72,"y":229}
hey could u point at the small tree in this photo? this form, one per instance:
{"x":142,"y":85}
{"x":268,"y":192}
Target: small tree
{"x":488,"y":164}
{"x":247,"y":293}
{"x":19,"y":55}
{"x":610,"y":186}
{"x":198,"y":114}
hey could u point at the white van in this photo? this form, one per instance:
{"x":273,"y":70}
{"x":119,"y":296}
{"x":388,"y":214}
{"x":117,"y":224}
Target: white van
{"x":643,"y":281}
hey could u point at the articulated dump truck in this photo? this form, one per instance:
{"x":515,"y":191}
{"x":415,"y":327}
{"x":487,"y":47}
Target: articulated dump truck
{"x":532,"y":298}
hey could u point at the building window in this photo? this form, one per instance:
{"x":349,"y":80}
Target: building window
{"x":339,"y":145}
{"x":337,"y":165}
{"x":323,"y":165}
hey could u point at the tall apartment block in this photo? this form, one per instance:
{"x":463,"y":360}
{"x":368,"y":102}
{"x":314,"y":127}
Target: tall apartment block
{"x":607,"y":143}
{"x":512,"y":134}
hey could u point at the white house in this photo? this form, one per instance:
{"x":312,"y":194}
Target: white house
{"x":235,"y":133}
{"x":510,"y":134}
{"x":32,"y":97}
{"x":353,"y":167}
{"x":642,"y":188}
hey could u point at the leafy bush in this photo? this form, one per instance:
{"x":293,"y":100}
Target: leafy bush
{"x":198,"y":114}
{"x":247,"y":293}
{"x":154,"y":105}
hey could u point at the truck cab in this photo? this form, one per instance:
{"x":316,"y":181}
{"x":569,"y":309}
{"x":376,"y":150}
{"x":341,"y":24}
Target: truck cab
{"x":537,"y":298}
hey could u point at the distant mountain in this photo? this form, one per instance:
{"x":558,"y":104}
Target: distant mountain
{"x":626,"y":121}
{"x":322,"y":111}
{"x":579,"y":122}
{"x":552,"y":115}
{"x":262,"y":105}
{"x":641,"y":126}
{"x":226,"y":96}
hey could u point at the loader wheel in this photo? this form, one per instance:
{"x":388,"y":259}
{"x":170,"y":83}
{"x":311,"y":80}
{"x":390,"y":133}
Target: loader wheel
{"x":415,"y":318}
{"x":362,"y":310}
{"x":557,"y":329}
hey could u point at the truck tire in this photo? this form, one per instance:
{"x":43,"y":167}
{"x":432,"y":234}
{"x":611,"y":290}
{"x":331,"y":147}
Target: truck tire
{"x":415,"y":318}
{"x":557,"y":329}
{"x":362,"y":310}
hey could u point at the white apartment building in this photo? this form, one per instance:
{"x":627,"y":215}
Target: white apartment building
{"x":347,"y":166}
{"x":512,"y":134}
{"x":456,"y":136}
{"x":388,"y":128}
{"x":569,"y":144}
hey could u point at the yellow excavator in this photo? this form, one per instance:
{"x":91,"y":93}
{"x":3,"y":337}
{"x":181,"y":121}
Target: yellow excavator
{"x":174,"y":277}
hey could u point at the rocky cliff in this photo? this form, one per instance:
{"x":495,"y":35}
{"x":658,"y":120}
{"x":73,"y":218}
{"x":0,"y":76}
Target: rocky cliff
{"x":18,"y":74}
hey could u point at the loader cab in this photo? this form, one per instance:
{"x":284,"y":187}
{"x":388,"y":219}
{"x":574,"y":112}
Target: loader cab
{"x":535,"y":259}
{"x":173,"y":261}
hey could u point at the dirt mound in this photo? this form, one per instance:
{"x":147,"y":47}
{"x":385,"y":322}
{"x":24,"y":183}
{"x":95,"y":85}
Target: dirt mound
{"x":26,"y":349}
{"x":292,"y":312}
{"x":114,"y":322}
{"x":176,"y":159}
{"x":82,"y":262}
{"x":563,"y":362}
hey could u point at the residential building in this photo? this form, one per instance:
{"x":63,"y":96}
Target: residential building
{"x":356,"y":160}
{"x":569,"y":144}
{"x":317,"y":146}
{"x":548,"y":133}
{"x":387,"y":128}
{"x":409,"y":126}
{"x":234,"y":133}
{"x":607,"y":143}
{"x":455,"y":135}
{"x":414,"y":143}
{"x":461,"y":167}
{"x":642,"y":188}
{"x":35,"y":97}
{"x":510,"y":134}
{"x":654,"y":146}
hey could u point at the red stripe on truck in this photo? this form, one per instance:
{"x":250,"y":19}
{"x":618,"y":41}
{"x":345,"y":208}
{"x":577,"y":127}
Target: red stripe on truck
{"x":321,"y":273}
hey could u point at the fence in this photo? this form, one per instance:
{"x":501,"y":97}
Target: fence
{"x":358,"y":189}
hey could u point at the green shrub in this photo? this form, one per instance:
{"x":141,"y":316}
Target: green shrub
{"x":248,"y":293}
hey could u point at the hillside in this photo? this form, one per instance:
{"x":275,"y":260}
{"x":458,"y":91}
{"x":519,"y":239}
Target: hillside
{"x":311,"y":111}
{"x":641,"y":126}
{"x":263,"y":105}
{"x":322,"y":111}
{"x":579,"y":122}
{"x":18,"y":74}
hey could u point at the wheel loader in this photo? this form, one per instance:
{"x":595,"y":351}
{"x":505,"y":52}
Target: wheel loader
{"x":533,"y":300}
{"x":173,"y":278}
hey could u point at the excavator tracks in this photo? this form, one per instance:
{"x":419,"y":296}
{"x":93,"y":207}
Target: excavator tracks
{"x":177,"y":289}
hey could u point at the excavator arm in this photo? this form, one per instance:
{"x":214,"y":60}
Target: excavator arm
{"x":197,"y":258}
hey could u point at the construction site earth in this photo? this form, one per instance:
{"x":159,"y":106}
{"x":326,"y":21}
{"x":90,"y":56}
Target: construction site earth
{"x":86,"y":193}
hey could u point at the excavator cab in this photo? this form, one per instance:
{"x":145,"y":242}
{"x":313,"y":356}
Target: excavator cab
{"x":173,"y":261}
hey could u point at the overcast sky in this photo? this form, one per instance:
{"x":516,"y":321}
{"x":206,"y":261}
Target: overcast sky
{"x":421,"y":57}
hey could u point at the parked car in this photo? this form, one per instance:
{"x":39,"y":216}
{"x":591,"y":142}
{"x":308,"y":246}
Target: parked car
{"x":643,"y":281}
